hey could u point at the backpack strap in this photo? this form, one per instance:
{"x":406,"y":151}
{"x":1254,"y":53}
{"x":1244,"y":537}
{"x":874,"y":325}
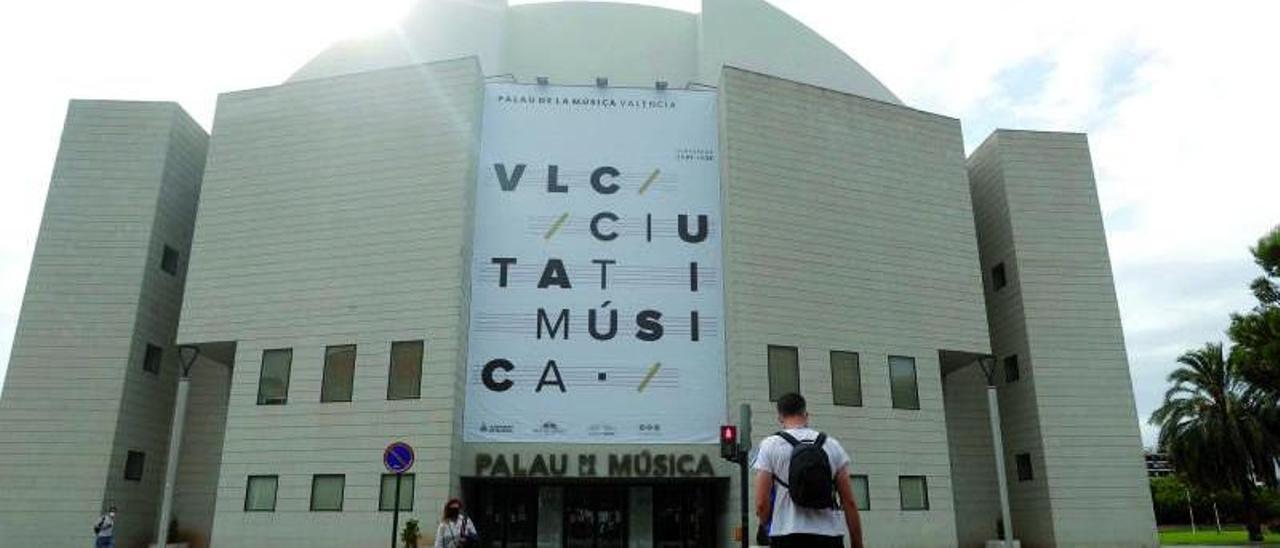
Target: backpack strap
{"x":794,"y":442}
{"x":788,"y":437}
{"x":821,"y":439}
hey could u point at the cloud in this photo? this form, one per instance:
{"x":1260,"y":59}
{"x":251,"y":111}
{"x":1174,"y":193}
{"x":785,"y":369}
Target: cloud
{"x":1180,"y":108}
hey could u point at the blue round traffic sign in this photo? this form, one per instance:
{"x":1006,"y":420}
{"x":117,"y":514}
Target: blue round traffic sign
{"x":398,"y":457}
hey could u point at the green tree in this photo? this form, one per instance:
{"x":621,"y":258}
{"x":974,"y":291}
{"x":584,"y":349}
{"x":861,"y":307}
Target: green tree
{"x":1169,"y":499}
{"x":409,"y":535}
{"x":1214,"y":427}
{"x":1257,"y":333}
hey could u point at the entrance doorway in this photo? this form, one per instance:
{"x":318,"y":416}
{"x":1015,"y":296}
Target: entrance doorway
{"x":595,"y":516}
{"x":682,"y":517}
{"x":506,"y":515}
{"x":513,"y":513}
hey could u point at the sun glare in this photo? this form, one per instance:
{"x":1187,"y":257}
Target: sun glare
{"x":354,"y":18}
{"x":693,"y":6}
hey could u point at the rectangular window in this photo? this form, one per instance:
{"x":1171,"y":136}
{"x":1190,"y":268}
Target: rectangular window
{"x":914,"y":491}
{"x":404,"y":381}
{"x":387,"y":496}
{"x":998,"y":277}
{"x":846,"y":379}
{"x":169,"y":260}
{"x":273,"y":384}
{"x":326,"y":492}
{"x":902,"y":382}
{"x":1011,"y":372}
{"x":784,"y":371}
{"x":134,"y":463}
{"x":153,"y":358}
{"x":260,"y":494}
{"x":861,"y":491}
{"x":1024,"y":467}
{"x":339,"y":373}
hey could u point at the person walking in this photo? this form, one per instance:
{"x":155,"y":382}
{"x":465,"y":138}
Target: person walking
{"x":802,"y":484}
{"x":104,"y":531}
{"x":456,"y":530}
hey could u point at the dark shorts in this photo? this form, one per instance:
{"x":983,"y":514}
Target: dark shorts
{"x":803,"y":540}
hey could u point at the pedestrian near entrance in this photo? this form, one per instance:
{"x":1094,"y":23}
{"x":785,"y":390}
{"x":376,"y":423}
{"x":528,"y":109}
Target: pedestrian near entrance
{"x":802,"y":484}
{"x":104,"y":530}
{"x":456,"y":529}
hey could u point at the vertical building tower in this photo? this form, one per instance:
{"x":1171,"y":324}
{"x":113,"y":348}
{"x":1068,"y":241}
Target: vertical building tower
{"x":330,"y":246}
{"x":838,"y":251}
{"x":87,"y":402}
{"x":1055,"y":331}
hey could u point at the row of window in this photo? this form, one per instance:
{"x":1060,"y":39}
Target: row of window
{"x":913,"y":492}
{"x":846,"y":377}
{"x":404,"y":379}
{"x":327,"y":493}
{"x":328,"y":490}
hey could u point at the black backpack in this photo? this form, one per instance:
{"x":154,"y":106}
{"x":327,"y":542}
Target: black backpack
{"x":810,"y":481}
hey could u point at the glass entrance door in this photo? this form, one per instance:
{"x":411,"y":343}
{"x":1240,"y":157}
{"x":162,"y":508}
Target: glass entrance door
{"x":595,"y":516}
{"x":527,"y":514}
{"x":506,"y":515}
{"x":683,"y":516}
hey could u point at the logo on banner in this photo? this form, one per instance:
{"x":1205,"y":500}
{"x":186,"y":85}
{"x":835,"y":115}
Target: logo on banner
{"x":601,"y":430}
{"x":497,"y":428}
{"x":549,"y":428}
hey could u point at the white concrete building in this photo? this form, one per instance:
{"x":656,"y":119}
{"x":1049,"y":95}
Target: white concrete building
{"x":317,"y":246}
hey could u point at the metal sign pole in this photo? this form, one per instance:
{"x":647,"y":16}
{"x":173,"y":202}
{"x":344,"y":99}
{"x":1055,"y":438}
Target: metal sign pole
{"x":395,"y":514}
{"x":742,"y":474}
{"x":744,"y":445}
{"x":398,"y":458}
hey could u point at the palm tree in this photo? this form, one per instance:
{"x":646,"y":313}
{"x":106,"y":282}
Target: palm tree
{"x":1216,"y":428}
{"x":1256,"y":333}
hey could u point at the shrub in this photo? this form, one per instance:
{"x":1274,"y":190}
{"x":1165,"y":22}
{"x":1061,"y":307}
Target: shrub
{"x":409,"y":535}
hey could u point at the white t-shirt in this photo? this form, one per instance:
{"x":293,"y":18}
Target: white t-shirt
{"x":450,"y":532}
{"x":775,"y":457}
{"x":106,"y":526}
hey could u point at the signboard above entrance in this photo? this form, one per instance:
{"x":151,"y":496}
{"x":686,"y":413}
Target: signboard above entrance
{"x":642,"y":464}
{"x":597,"y":308}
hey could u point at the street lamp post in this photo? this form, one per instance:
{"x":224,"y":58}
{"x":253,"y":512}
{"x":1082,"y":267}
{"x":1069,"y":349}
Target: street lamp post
{"x":187,"y":355}
{"x":988,"y":364}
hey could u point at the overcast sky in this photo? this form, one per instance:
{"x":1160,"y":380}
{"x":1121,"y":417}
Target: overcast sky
{"x":1181,"y":102}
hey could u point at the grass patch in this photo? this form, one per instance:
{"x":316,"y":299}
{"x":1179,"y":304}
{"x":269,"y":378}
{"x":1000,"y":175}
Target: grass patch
{"x":1231,"y":535}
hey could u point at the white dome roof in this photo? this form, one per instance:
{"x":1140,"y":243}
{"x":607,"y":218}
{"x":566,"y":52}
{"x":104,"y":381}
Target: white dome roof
{"x":632,"y":45}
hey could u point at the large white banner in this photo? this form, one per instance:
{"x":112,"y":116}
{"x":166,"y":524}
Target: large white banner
{"x":597,"y":310}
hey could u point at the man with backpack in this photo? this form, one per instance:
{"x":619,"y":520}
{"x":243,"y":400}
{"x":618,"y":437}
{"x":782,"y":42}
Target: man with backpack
{"x":104,"y":531}
{"x":802,"y":484}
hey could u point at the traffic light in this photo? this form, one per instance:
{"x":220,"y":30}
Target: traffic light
{"x":729,"y":442}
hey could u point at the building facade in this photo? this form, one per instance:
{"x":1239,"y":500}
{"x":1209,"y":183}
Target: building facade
{"x":317,"y":246}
